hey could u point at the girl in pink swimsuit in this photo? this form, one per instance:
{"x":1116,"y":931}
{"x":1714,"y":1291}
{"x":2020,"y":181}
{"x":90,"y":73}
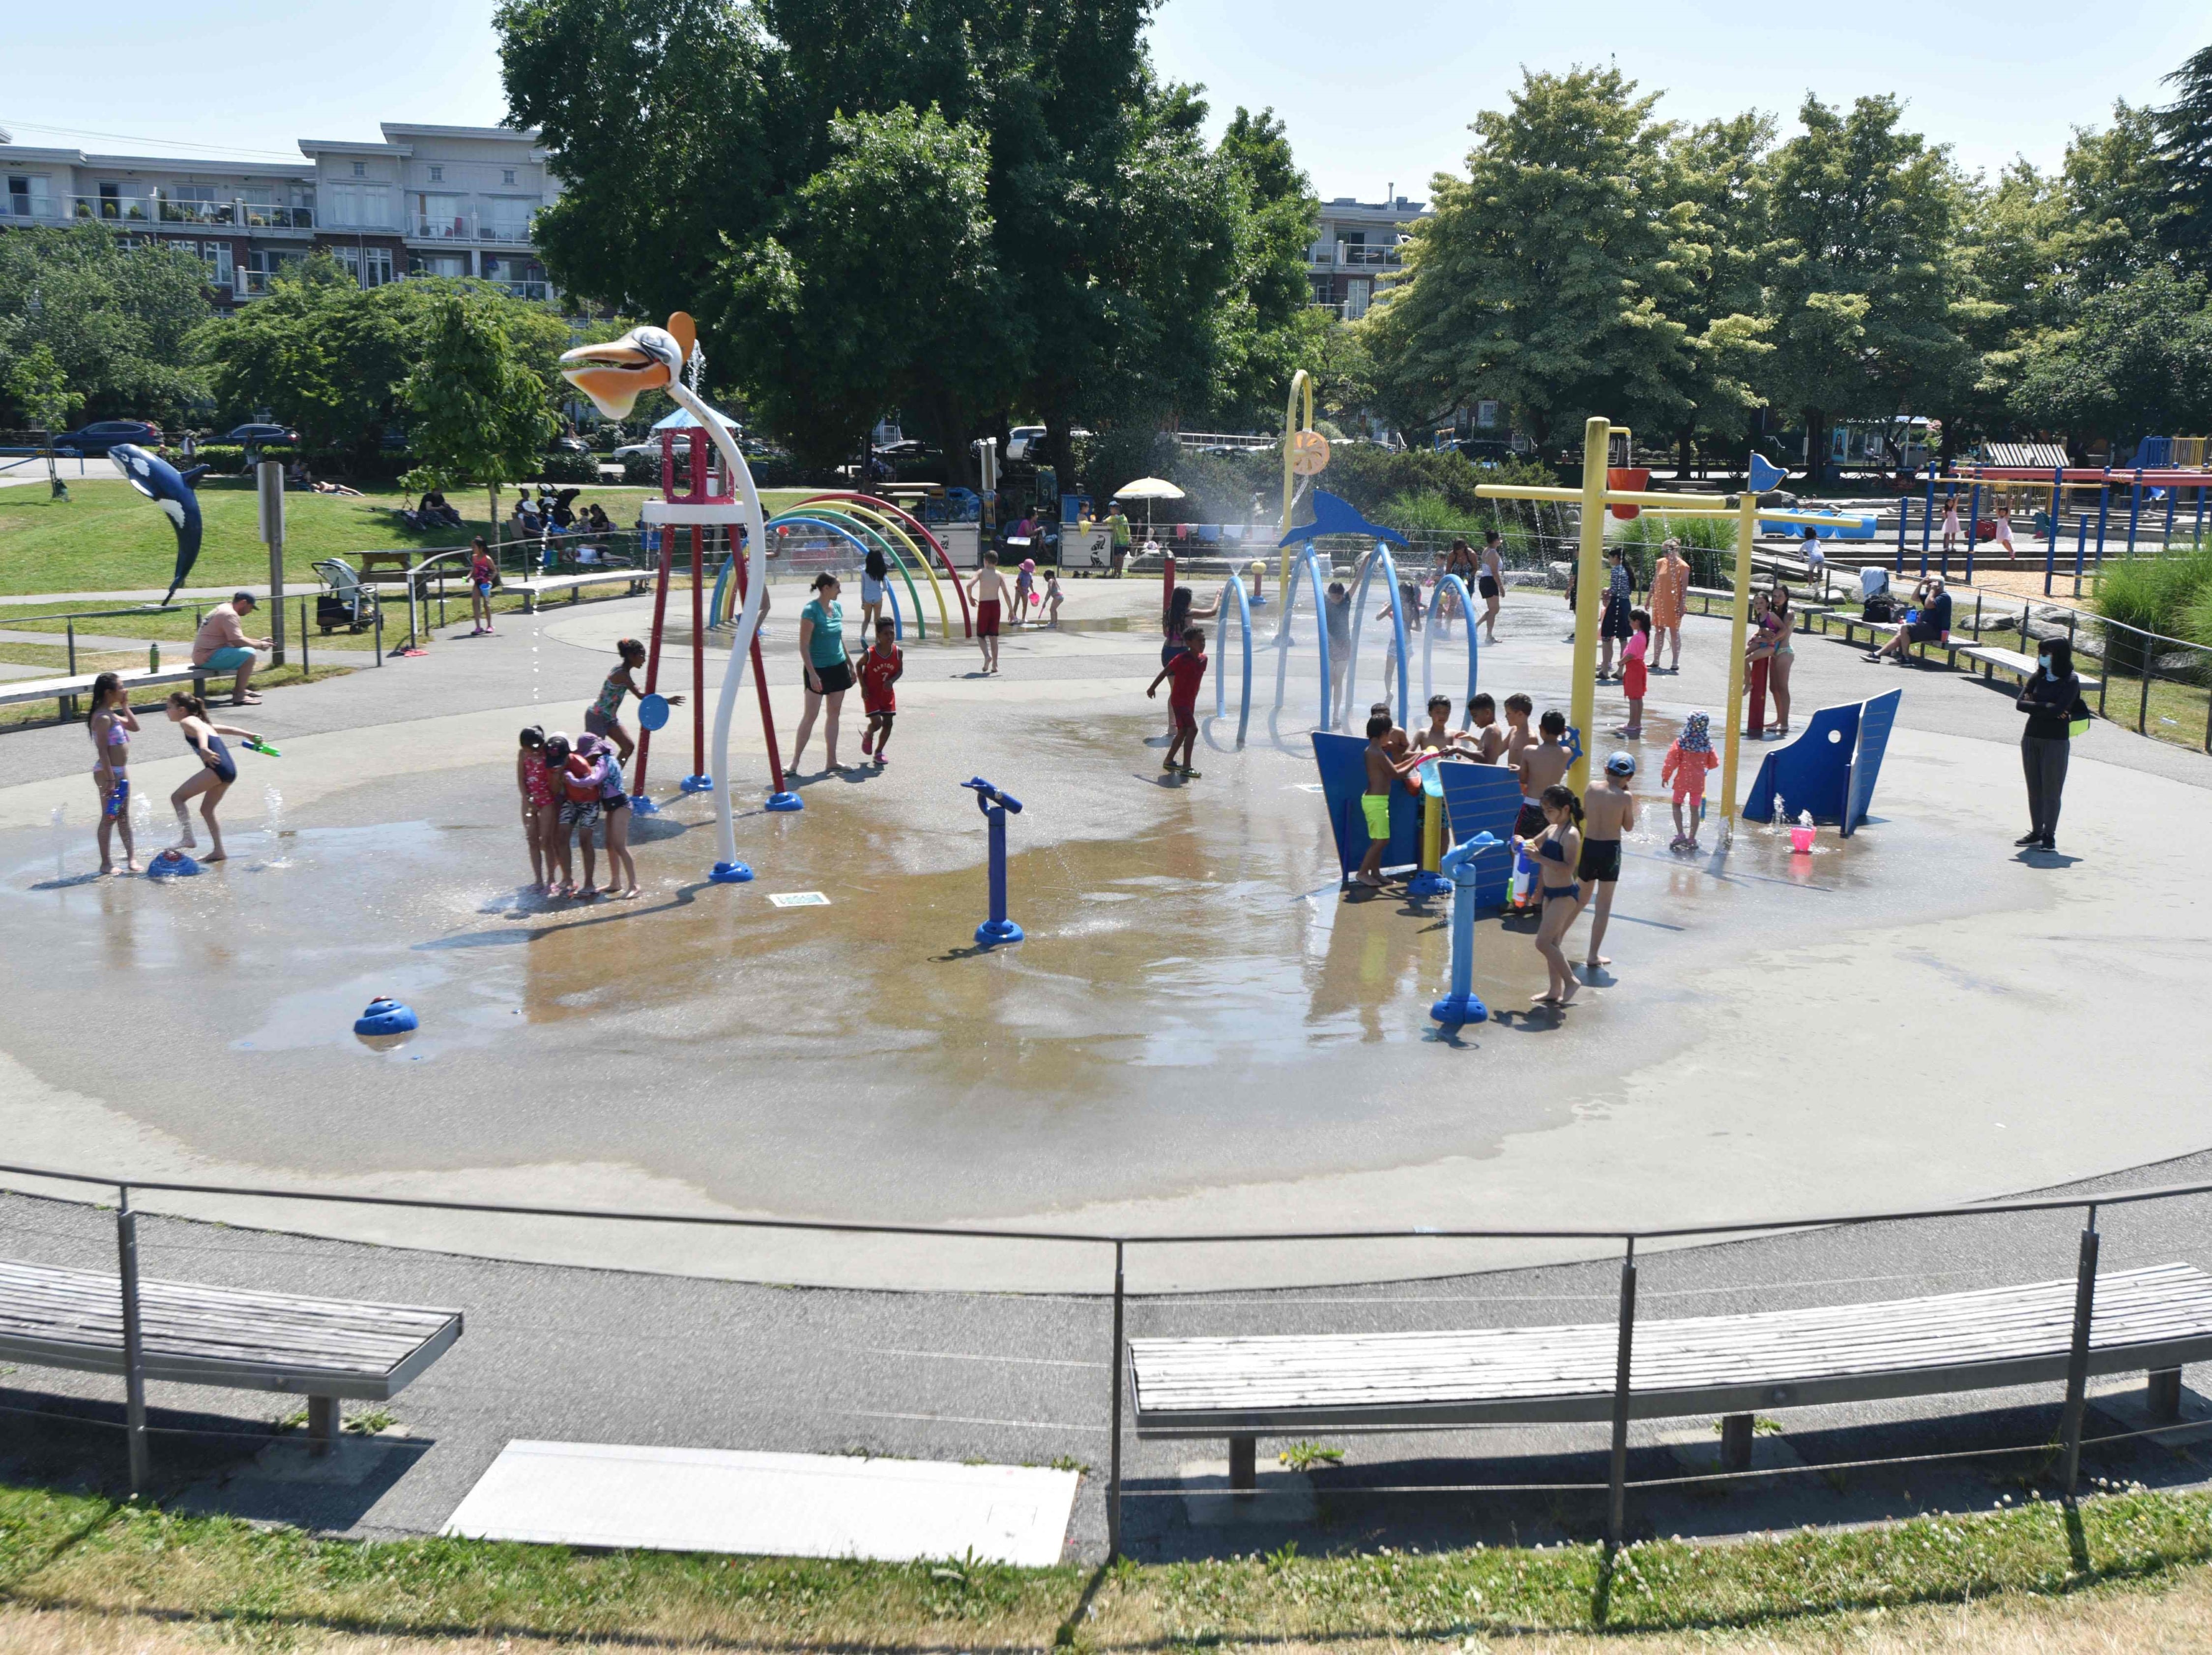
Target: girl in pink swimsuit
{"x":536,"y":789}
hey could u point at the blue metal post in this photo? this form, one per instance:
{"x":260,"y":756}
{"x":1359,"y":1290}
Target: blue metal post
{"x":1461,"y":1005}
{"x":2135,"y":509}
{"x":2051,"y":553}
{"x":1927,"y":525}
{"x":2171,"y":492}
{"x":1903,"y":522}
{"x":994,"y":805}
{"x":2104,"y":511}
{"x":2080,"y":545}
{"x":1973,"y":529}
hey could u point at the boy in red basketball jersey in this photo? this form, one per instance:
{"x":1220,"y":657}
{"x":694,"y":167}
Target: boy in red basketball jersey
{"x":881,"y":666}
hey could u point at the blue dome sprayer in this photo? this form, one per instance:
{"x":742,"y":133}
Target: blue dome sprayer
{"x":994,"y":805}
{"x":1461,"y":1005}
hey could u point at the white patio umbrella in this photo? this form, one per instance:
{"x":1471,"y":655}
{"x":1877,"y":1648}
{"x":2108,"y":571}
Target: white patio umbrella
{"x":1149,"y":488}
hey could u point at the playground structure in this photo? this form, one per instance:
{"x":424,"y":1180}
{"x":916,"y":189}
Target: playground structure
{"x":1830,"y":771}
{"x":614,"y":375}
{"x":865,"y":522}
{"x":1594,"y":496}
{"x":2166,"y":467}
{"x":1475,"y":798}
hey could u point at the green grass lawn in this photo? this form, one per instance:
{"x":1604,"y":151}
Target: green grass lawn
{"x":71,"y":1553}
{"x":109,"y":537}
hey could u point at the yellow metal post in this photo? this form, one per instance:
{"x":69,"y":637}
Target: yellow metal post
{"x":1747,"y":527}
{"x":1590,"y":593}
{"x":1299,"y":381}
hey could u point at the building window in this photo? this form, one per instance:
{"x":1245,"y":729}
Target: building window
{"x":1355,"y":300}
{"x":437,"y":175}
{"x":441,"y":215}
{"x":360,"y":206}
{"x":360,"y":169}
{"x":27,"y":197}
{"x":506,"y":176}
{"x":369,"y":266}
{"x":438,"y":263}
{"x":218,"y":256}
{"x":507,"y":218}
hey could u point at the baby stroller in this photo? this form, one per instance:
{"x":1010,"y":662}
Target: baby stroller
{"x":343,"y":601}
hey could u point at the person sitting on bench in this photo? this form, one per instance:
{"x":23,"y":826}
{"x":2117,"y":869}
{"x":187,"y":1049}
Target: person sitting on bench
{"x":1934,"y":625}
{"x":221,"y":645}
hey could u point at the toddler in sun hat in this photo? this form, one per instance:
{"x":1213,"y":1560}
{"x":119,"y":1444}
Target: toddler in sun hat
{"x":1688,"y":761}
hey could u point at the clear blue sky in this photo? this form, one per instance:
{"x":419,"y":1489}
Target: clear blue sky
{"x":1373,"y":94}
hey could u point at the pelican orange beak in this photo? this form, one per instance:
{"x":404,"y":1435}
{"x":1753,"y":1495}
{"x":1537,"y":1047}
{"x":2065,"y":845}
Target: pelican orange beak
{"x":614,"y":375}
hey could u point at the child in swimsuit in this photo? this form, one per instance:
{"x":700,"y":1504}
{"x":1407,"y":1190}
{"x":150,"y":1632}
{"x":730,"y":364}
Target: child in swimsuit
{"x":1025,"y":589}
{"x":218,"y":769}
{"x":1635,"y":677}
{"x":536,"y":790}
{"x":111,"y":726}
{"x":481,"y":572}
{"x":1609,"y":814}
{"x":578,"y":782}
{"x":1686,"y":765}
{"x":1050,"y":608}
{"x":614,"y":819}
{"x":990,"y":592}
{"x":603,"y":718}
{"x":1558,"y":850}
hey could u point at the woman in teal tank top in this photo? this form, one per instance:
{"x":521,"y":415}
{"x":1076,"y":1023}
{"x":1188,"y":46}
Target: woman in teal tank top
{"x":827,"y":672}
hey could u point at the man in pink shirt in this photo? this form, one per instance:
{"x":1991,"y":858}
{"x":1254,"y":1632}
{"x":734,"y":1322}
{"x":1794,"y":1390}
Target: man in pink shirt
{"x":221,"y":643}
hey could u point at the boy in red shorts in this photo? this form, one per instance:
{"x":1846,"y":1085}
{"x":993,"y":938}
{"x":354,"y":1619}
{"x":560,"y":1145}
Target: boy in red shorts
{"x":1185,"y":670}
{"x":990,"y":593}
{"x":881,"y":666}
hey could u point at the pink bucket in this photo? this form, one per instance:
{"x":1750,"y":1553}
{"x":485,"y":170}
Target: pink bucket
{"x":1801,"y":840}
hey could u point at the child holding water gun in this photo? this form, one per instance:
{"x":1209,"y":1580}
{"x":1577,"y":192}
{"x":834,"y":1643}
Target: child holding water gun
{"x":1687,"y":763}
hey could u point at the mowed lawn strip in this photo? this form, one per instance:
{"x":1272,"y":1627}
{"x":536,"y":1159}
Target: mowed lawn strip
{"x":2032,"y":1565}
{"x":109,"y":537}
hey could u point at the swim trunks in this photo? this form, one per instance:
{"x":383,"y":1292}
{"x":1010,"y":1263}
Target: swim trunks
{"x":1530,"y":822}
{"x":987,"y":617}
{"x":579,"y":812}
{"x":1599,"y":860}
{"x":1375,"y":806}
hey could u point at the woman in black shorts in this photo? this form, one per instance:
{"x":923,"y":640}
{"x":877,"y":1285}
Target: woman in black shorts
{"x":826,"y":670}
{"x":1489,"y":582}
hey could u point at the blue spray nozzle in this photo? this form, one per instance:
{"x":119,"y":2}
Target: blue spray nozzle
{"x":986,"y":795}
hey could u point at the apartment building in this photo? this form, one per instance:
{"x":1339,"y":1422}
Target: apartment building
{"x":1356,"y":244}
{"x":426,"y":201}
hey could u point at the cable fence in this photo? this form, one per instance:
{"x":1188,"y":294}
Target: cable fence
{"x":1067,"y":1394}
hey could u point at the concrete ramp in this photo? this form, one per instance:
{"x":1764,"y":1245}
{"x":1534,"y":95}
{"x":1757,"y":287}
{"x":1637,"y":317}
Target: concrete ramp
{"x":709,"y":1500}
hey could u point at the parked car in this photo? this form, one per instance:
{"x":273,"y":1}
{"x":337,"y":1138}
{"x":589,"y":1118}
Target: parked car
{"x":257,"y":435}
{"x":102,"y":435}
{"x":1021,"y":439}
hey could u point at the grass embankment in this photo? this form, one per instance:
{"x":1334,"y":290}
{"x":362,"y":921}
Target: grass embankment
{"x":107,"y":538}
{"x":80,"y":1572}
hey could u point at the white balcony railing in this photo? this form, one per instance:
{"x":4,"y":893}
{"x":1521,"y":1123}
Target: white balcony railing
{"x":153,"y":209}
{"x":467,"y":226}
{"x":1349,"y":255}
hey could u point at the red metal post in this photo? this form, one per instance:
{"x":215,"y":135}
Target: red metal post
{"x":1754,"y":723}
{"x":760,"y":686}
{"x":653,"y":662}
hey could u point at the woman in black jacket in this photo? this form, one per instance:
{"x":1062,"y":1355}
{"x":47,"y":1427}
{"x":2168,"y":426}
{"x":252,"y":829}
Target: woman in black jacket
{"x":2052,"y":701}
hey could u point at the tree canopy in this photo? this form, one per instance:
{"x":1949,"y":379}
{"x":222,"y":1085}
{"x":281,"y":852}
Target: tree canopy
{"x":114,"y":318}
{"x":971,"y":210}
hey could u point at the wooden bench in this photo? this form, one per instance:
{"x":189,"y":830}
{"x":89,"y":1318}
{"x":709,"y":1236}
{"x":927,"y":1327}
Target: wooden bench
{"x":67,"y":690}
{"x":1990,"y":658}
{"x":321,"y":1349}
{"x":2152,"y":1320}
{"x":535,"y":589}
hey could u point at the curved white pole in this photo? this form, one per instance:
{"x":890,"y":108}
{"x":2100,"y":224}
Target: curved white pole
{"x":756,"y":524}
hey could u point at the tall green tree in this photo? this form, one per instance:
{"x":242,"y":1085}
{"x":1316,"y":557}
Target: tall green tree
{"x":1719,"y":169}
{"x":116,"y":320}
{"x":2137,"y":359}
{"x":41,"y":390}
{"x":689,"y":132}
{"x":1269,"y":327}
{"x":480,"y":409}
{"x":330,"y":358}
{"x":1548,"y":277}
{"x":877,"y":270}
{"x":2184,"y":161}
{"x":1860,"y":277}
